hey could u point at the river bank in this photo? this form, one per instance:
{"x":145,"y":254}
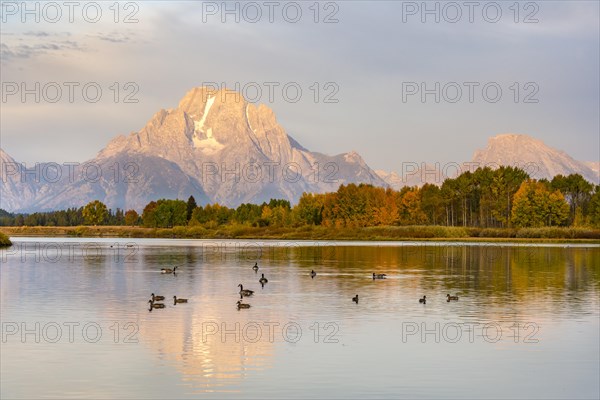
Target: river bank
{"x":415,"y":233}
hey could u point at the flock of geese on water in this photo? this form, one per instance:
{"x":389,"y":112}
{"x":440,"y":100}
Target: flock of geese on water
{"x":422,"y":300}
{"x":154,"y":298}
{"x":247,"y":293}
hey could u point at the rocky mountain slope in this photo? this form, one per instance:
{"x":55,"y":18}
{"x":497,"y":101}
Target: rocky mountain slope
{"x":538,"y":159}
{"x":220,"y":148}
{"x":215,"y":146}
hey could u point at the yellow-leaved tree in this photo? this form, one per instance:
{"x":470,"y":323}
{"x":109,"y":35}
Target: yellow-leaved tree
{"x":534,"y":205}
{"x":95,"y":213}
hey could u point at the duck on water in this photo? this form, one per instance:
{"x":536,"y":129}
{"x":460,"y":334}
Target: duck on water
{"x":168,"y":270}
{"x":451,"y":298}
{"x":239,"y":305}
{"x":245,"y":292}
{"x":179,"y":301}
{"x":154,"y":305}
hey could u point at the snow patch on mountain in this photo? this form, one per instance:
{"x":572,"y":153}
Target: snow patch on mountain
{"x":208,"y":146}
{"x":205,"y":141}
{"x":199,"y":125}
{"x":248,"y":118}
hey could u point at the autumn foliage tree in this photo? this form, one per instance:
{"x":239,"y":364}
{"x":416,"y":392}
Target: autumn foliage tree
{"x":131,"y":217}
{"x":410,"y":211}
{"x":383,"y":206}
{"x":149,"y":215}
{"x":95,"y":213}
{"x":309,"y":210}
{"x":165,"y":213}
{"x":486,"y":197}
{"x":536,"y":206}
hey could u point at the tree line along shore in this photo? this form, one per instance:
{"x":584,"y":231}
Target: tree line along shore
{"x":495,"y":204}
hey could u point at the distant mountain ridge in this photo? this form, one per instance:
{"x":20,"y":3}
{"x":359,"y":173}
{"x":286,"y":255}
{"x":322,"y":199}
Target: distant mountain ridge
{"x":516,"y":150}
{"x":220,"y":148}
{"x":544,"y":161}
{"x":215,"y":146}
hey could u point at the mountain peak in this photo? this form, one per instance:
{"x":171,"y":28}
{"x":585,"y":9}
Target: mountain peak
{"x":510,"y":136}
{"x":215,"y":145}
{"x":513,"y":138}
{"x":513,"y":141}
{"x":195,"y":100}
{"x":531,"y":154}
{"x":205,"y":123}
{"x":353,"y":157}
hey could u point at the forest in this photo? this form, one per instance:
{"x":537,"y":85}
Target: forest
{"x":502,"y":198}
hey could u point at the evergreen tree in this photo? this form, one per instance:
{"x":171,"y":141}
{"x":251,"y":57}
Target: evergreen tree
{"x":191,"y":205}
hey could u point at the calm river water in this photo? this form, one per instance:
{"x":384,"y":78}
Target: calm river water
{"x":76,"y":322}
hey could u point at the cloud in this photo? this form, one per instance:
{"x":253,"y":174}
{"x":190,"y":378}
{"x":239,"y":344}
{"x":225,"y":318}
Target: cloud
{"x":25,"y":51}
{"x":37,"y":34}
{"x":369,"y":54}
{"x":113,"y":37}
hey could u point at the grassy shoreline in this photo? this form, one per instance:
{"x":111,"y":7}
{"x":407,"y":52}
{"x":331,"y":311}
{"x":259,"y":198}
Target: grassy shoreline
{"x":388,"y":233}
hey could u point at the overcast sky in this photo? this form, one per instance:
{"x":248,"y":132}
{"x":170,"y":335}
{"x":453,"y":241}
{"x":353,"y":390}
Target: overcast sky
{"x":369,"y":61}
